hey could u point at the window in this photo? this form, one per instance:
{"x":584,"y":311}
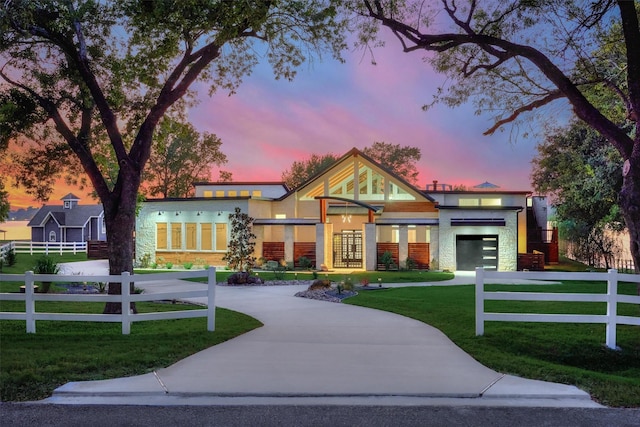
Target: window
{"x":52,"y":236}
{"x":468,"y":202}
{"x":496,"y":201}
{"x":161,"y":235}
{"x":206,"y":243}
{"x":244,"y":193}
{"x":67,"y":204}
{"x":192,"y":238}
{"x":232,"y":193}
{"x":221,"y":237}
{"x":281,"y":216}
{"x":219,"y":193}
{"x":176,"y":235}
{"x":256,"y":193}
{"x":104,"y":226}
{"x":208,"y":193}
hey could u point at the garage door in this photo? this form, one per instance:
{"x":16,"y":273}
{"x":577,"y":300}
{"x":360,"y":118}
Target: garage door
{"x":476,"y":251}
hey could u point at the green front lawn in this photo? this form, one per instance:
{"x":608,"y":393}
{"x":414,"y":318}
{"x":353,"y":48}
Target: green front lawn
{"x":564,"y":353}
{"x":33,"y":365}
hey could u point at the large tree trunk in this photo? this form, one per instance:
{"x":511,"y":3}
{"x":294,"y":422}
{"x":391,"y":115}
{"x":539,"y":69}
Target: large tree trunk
{"x":120,"y":217}
{"x":629,"y":201}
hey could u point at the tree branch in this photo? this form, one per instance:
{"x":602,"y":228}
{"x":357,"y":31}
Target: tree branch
{"x":80,"y":148}
{"x":529,"y":107}
{"x":582,"y":107}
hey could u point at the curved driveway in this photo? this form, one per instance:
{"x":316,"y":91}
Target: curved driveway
{"x":322,"y":352}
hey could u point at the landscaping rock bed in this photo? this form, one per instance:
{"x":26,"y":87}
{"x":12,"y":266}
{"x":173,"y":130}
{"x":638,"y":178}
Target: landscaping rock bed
{"x":330,"y":295}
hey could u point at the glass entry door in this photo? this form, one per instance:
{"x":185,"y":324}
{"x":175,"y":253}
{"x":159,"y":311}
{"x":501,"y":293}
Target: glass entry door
{"x":347,"y":249}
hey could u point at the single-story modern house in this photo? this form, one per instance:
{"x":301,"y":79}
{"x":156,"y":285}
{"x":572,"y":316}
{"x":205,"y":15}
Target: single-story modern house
{"x":69,"y":222}
{"x":347,"y":216}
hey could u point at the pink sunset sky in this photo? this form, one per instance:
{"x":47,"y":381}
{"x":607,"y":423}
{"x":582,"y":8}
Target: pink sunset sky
{"x":332,"y":107}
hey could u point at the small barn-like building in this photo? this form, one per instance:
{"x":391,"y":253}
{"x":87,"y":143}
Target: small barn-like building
{"x":69,"y":222}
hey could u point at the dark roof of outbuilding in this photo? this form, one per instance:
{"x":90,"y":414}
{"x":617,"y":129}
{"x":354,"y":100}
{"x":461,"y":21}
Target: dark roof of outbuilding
{"x":76,"y":217}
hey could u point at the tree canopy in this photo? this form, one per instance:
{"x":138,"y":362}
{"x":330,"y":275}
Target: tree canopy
{"x":104,"y":73}
{"x":181,"y":157}
{"x":4,"y":203}
{"x":515,"y":57}
{"x":581,"y":172}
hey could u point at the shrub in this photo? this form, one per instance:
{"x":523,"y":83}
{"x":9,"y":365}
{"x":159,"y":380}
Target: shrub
{"x":145,"y":260}
{"x":10,"y":257}
{"x":304,"y":263}
{"x":187,"y":265}
{"x":154,"y":265}
{"x":347,"y":283}
{"x":101,"y":287}
{"x":411,"y":264}
{"x":169,"y":265}
{"x":320,"y":285}
{"x":387,"y":260}
{"x":46,"y":265}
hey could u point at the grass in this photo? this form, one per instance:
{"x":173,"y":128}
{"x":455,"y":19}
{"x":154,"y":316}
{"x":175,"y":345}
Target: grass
{"x":33,"y":365}
{"x":563,"y":353}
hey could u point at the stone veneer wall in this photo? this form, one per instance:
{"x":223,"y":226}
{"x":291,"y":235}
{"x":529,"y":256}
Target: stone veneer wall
{"x":507,"y":237}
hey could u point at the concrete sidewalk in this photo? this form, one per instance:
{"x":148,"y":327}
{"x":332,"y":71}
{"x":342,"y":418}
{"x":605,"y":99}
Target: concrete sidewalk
{"x":319,"y":352}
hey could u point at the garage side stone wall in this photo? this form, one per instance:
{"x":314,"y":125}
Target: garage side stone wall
{"x":507,"y":237}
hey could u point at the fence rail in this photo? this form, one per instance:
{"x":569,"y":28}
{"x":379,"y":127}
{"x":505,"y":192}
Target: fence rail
{"x":30,"y":316}
{"x":611,"y":319}
{"x":24,"y":247}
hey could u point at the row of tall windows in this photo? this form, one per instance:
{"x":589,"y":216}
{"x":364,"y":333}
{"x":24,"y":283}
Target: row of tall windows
{"x":191,"y":236}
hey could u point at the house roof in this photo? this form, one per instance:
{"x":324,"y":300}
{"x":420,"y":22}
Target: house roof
{"x":70,"y":196}
{"x":354,"y":152}
{"x":70,"y":218}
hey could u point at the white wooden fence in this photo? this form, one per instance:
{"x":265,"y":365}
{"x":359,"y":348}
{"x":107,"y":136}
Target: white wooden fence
{"x":611,"y":319}
{"x":27,"y":247}
{"x":126,"y":318}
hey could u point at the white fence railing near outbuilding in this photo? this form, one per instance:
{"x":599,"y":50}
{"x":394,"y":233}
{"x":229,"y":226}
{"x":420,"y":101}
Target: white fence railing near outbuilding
{"x":611,"y":319}
{"x":23,"y":247}
{"x":30,"y":316}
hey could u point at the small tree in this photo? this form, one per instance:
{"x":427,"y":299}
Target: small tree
{"x":239,"y":254}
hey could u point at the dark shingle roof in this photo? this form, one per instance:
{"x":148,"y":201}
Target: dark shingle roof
{"x":76,"y":217}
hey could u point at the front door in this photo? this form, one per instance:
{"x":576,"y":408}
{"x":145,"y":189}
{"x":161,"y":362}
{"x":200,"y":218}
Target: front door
{"x":347,"y":249}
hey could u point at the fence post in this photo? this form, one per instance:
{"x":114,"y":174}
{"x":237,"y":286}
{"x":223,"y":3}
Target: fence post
{"x":479,"y":301}
{"x":29,"y":303}
{"x":125,"y":281}
{"x":612,"y":308}
{"x":211,"y":299}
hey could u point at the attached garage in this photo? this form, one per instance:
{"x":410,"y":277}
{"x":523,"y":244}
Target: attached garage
{"x":476,"y":251}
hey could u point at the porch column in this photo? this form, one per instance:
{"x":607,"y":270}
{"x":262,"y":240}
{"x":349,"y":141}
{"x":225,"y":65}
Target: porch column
{"x":289,"y":237}
{"x":320,"y":258}
{"x":434,"y":248}
{"x":370,"y":255}
{"x":324,"y":245}
{"x":403,"y":246}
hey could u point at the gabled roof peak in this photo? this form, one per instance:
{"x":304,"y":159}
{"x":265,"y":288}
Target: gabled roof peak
{"x":70,"y":196}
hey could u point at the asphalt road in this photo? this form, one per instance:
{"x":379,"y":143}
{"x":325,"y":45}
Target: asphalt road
{"x":36,"y":415}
